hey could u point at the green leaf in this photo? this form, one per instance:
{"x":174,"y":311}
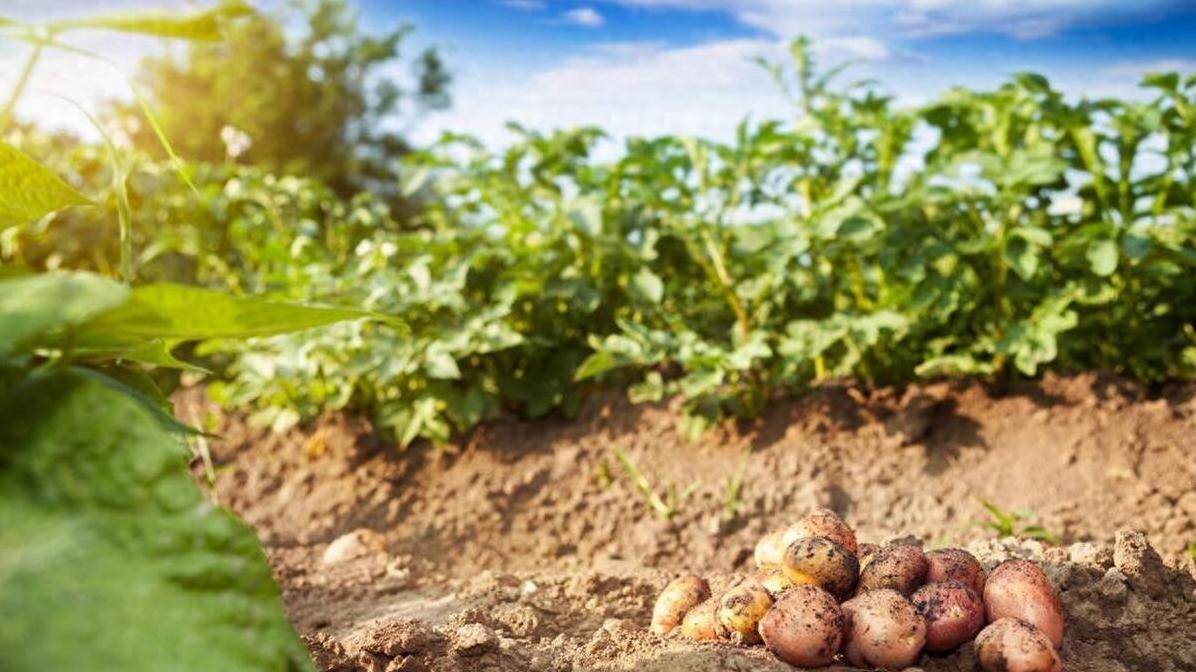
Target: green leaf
{"x":1167,"y":81}
{"x":34,"y":305}
{"x":440,"y":364}
{"x":586,"y":215}
{"x":192,"y":313}
{"x":1040,"y":237}
{"x":198,"y":26}
{"x":29,"y":190}
{"x":650,"y":390}
{"x":647,"y":285}
{"x":595,"y":365}
{"x":1022,"y":257}
{"x":110,"y":555}
{"x":1102,"y":256}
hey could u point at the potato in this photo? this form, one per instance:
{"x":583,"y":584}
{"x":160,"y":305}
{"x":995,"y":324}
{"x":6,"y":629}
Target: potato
{"x":677,"y":598}
{"x":699,"y":624}
{"x":825,"y":523}
{"x":774,"y":580}
{"x":817,"y":523}
{"x":1013,"y":645}
{"x":818,"y":561}
{"x":1020,"y":589}
{"x":770,"y":549}
{"x":882,"y":630}
{"x":901,"y":568}
{"x":740,"y":610}
{"x":953,"y":613}
{"x":804,"y":628}
{"x":866,"y":552}
{"x":956,"y":564}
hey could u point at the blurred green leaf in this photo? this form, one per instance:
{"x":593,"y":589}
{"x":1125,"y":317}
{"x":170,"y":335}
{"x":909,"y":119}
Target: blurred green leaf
{"x":101,"y":518}
{"x":1102,"y":255}
{"x":35,"y":305}
{"x":193,"y":313}
{"x":29,"y":191}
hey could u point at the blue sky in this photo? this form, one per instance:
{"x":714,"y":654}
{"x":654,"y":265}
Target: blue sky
{"x":684,"y":66}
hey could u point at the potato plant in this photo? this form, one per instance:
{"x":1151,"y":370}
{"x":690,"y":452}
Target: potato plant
{"x":988,"y":233}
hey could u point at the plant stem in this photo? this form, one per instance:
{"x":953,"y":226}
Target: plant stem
{"x":22,"y":82}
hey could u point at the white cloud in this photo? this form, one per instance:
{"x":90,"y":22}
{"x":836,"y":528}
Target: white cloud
{"x":638,"y":89}
{"x":584,"y":16}
{"x":1022,"y":19}
{"x":628,"y":89}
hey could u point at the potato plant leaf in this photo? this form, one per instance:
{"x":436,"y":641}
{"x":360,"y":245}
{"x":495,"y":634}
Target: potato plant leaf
{"x":29,"y":190}
{"x":170,"y":311}
{"x":109,"y":553}
{"x":33,"y":305}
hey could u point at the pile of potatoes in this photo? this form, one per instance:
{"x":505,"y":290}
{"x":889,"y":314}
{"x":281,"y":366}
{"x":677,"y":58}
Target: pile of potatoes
{"x":818,"y":594}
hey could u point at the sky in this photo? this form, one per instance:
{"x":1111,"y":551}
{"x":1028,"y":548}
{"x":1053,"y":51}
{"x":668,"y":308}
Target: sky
{"x":646,"y":67}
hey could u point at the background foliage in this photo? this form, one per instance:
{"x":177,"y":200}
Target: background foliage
{"x":328,"y":101}
{"x":991,"y":233}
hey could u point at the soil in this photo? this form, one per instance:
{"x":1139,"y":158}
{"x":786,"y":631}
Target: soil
{"x":526,"y":546}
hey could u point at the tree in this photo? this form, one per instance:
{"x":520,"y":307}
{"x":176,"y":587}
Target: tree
{"x":318,"y":103}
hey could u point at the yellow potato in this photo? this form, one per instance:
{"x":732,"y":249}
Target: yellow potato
{"x":740,"y":610}
{"x":699,"y":624}
{"x":677,"y":598}
{"x":818,"y":561}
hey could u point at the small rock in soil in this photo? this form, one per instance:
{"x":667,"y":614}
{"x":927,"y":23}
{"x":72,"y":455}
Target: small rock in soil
{"x":356,"y":544}
{"x":473,"y":639}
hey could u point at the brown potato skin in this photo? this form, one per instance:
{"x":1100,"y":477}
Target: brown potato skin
{"x":1012,"y":645}
{"x":818,"y":561}
{"x":678,"y":597}
{"x":699,"y":623}
{"x":956,"y":564}
{"x":866,"y":551}
{"x":901,"y":568}
{"x":953,"y":612}
{"x":882,"y":630}
{"x":825,"y":523}
{"x":1020,"y":589}
{"x":804,"y":628}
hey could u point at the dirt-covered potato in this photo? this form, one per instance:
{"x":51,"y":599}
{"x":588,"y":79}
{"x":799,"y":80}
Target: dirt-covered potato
{"x":774,"y":580}
{"x":882,"y":630}
{"x":901,"y":568}
{"x":699,"y":624}
{"x":770,"y":549}
{"x":1020,"y":589}
{"x":1013,"y":645}
{"x":677,"y":598}
{"x":953,"y":613}
{"x":740,"y":611}
{"x":866,"y":552}
{"x":818,"y":561}
{"x":804,"y":627}
{"x":818,"y":523}
{"x":825,"y":523}
{"x":956,"y":564}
